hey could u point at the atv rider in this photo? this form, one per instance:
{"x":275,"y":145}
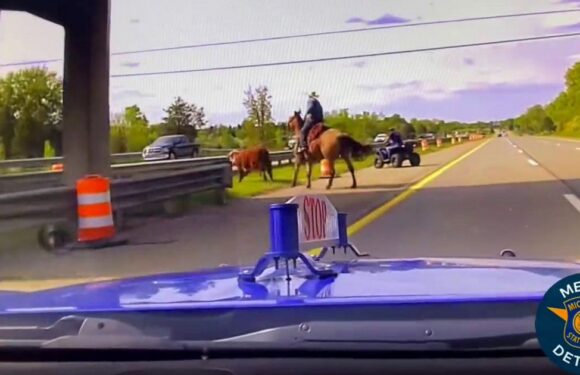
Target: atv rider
{"x":314,"y":115}
{"x":395,"y":140}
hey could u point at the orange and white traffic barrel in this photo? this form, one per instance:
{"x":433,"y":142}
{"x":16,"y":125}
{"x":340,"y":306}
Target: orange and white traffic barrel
{"x":424,"y":145}
{"x":325,"y":169}
{"x":57,"y":167}
{"x":439,"y":142}
{"x":95,"y":212}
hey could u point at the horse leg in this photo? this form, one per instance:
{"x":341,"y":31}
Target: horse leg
{"x":351,"y":170}
{"x":309,"y":173}
{"x":269,"y":169}
{"x":332,"y":173}
{"x":296,"y":169}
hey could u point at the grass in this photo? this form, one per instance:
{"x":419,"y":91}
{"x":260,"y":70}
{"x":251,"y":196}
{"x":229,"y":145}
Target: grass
{"x":253,"y":184}
{"x":564,"y":135}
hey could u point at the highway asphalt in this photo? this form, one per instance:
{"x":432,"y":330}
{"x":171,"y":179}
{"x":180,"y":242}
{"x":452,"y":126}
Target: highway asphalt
{"x":210,"y":235}
{"x":472,"y":200}
{"x":519,"y":193}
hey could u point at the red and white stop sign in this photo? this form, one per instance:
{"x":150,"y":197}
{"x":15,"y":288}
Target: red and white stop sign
{"x":317,"y":221}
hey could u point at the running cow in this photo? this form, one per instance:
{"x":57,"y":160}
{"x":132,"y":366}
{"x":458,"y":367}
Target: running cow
{"x":246,"y":161}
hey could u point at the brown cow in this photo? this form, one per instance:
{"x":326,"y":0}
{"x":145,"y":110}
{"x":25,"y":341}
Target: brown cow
{"x":246,"y":161}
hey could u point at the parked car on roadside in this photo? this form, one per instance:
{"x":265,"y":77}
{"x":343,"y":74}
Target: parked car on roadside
{"x":171,"y":147}
{"x":380,"y":138}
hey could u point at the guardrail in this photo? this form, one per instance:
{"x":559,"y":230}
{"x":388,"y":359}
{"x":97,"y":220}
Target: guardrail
{"x":58,"y":205}
{"x":50,"y":179}
{"x":128,"y":157}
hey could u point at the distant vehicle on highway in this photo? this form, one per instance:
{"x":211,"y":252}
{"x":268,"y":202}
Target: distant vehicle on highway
{"x":170,"y":147}
{"x":381,"y":138}
{"x":427,"y":136}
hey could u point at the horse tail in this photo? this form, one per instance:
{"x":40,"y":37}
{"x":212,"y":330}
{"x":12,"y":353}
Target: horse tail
{"x":356,"y":149}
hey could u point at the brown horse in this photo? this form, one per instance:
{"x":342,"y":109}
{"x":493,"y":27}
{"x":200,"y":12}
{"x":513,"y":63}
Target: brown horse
{"x":325,"y":143}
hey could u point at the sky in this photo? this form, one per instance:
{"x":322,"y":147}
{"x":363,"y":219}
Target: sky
{"x":482,"y":83}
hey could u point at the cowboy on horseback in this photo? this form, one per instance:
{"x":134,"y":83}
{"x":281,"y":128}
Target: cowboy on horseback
{"x":314,"y":115}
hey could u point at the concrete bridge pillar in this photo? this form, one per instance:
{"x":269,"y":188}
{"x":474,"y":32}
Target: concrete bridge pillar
{"x":86,"y":92}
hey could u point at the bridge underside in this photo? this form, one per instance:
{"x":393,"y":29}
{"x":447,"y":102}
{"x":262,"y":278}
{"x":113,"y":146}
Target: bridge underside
{"x":86,"y":79}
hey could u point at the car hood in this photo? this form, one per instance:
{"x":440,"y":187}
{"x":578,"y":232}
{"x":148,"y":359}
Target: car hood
{"x":358,"y":282}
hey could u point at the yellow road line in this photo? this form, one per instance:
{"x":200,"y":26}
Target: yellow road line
{"x":406,"y":194}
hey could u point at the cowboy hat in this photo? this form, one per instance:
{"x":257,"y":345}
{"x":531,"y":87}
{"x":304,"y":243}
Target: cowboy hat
{"x":313,"y":94}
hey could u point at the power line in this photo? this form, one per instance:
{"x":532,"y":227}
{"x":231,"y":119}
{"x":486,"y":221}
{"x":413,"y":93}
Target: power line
{"x":349,"y":57}
{"x":322,"y":33}
{"x":307,"y":35}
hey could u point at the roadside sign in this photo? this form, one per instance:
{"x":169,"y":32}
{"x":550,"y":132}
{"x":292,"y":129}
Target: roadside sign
{"x":317,"y":221}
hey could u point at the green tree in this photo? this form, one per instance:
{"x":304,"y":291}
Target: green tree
{"x":138,"y":129}
{"x":226,"y":138}
{"x":249,"y":134}
{"x":183,"y":118}
{"x":30,"y":112}
{"x":259,"y":127}
{"x":118,"y":135}
{"x":408,"y":131}
{"x":567,"y":105}
{"x":534,"y":121}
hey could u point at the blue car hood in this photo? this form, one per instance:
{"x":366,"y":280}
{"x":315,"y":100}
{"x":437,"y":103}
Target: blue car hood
{"x":358,"y":282}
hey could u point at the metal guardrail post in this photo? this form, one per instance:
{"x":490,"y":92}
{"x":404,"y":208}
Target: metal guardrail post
{"x":221,"y":196}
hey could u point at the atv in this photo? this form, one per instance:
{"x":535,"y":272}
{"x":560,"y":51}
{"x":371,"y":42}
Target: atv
{"x":396,"y":156}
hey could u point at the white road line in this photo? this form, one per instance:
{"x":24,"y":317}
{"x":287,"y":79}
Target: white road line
{"x":533,"y":162}
{"x":574,"y":201}
{"x":520,"y":151}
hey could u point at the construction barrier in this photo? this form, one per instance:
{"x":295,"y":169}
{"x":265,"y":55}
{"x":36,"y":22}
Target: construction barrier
{"x":325,"y":169}
{"x":95,"y":212}
{"x":424,"y":145}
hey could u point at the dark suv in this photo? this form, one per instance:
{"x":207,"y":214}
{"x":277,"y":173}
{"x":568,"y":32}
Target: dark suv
{"x":170,"y":147}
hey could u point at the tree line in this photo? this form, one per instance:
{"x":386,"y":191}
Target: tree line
{"x":560,"y":116}
{"x":31,"y":121}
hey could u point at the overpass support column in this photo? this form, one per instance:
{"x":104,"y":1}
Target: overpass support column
{"x":86,"y":92}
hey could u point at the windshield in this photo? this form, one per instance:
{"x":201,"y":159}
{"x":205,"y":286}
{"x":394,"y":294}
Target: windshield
{"x":283,"y":109}
{"x":163,"y":141}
